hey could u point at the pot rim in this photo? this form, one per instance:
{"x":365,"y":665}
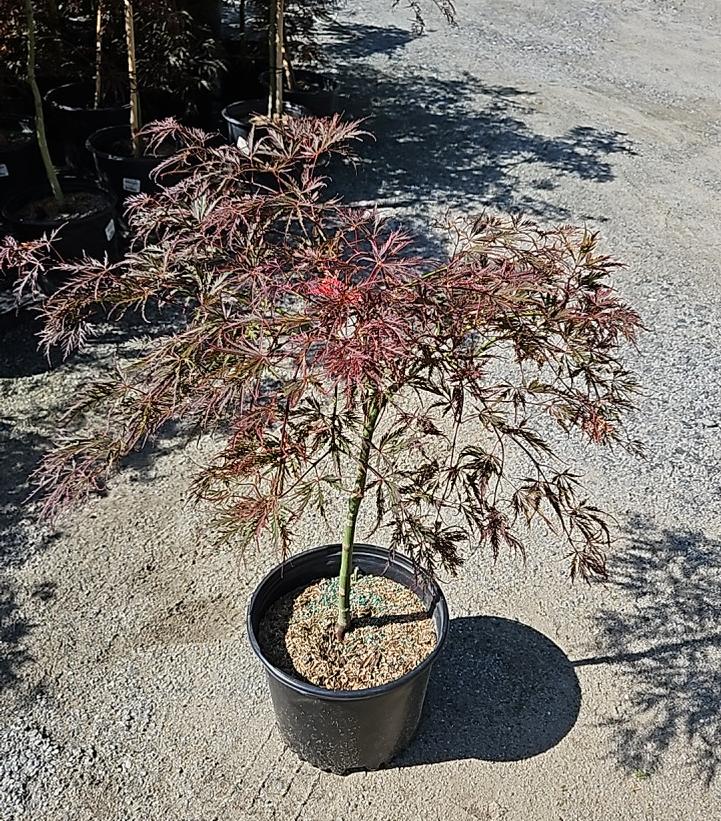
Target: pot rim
{"x":107,"y":155}
{"x":294,"y":109}
{"x":368,"y":692}
{"x":51,"y":94}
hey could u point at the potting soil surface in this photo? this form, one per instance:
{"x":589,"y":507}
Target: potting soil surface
{"x":391,"y":634}
{"x":76,"y":205}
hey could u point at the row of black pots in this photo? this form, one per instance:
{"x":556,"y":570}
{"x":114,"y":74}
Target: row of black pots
{"x":75,"y":117}
{"x":96,"y":141}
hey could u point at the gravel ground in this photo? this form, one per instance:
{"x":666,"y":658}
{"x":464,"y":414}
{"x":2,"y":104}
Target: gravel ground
{"x":127,"y":688}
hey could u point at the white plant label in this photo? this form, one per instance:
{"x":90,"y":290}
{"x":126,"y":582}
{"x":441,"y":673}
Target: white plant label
{"x":110,"y":230}
{"x":129,"y":184}
{"x":4,"y":171}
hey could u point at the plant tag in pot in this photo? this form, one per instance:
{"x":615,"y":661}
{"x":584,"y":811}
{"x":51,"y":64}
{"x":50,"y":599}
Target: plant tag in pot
{"x":132,"y":185}
{"x":110,"y":230}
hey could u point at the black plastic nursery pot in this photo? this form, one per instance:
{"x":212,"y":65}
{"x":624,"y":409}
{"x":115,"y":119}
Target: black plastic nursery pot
{"x":238,"y":116}
{"x":341,"y":731}
{"x":123,"y":173}
{"x":73,"y":118}
{"x":93,"y":233}
{"x":20,"y":162}
{"x":316,"y":92}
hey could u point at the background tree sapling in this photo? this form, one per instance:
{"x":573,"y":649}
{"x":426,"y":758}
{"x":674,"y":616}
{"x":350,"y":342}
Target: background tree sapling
{"x":276,"y":45}
{"x":135,"y":121}
{"x":40,"y":132}
{"x":336,"y":361}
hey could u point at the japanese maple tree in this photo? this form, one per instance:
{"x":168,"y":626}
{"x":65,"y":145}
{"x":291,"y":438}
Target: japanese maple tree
{"x":338,"y":360}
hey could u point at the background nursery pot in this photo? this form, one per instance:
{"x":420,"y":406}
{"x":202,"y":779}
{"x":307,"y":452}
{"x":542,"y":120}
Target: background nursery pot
{"x":74,"y":118}
{"x":355,"y":729}
{"x":124,"y":174}
{"x":19,"y":155}
{"x":316,"y":92}
{"x":91,"y":233}
{"x":238,"y":116}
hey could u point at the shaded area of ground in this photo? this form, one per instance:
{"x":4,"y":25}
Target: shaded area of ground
{"x":455,"y":141}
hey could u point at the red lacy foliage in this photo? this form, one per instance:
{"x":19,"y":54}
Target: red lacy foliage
{"x":299,"y":314}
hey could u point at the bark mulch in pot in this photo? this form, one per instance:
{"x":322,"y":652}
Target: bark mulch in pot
{"x":391,"y":634}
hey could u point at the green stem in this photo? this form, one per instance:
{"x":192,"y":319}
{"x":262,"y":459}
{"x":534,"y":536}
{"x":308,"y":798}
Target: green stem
{"x":39,"y":115}
{"x":135,"y":121}
{"x":373,"y":407}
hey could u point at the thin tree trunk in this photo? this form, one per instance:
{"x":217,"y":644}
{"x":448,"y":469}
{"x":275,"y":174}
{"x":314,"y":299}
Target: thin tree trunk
{"x":99,"y":32}
{"x":275,"y":38}
{"x":372,"y":412}
{"x":135,"y":120}
{"x":241,"y":16}
{"x":39,"y":114}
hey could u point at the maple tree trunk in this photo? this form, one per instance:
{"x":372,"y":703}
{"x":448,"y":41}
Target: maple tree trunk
{"x":135,"y":121}
{"x":39,"y":114}
{"x":372,"y":412}
{"x":275,"y":43}
{"x":99,"y":31}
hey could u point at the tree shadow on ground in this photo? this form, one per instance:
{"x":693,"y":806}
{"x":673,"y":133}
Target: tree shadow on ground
{"x":20,"y":535}
{"x":501,"y":691}
{"x":354,"y":41}
{"x":665,"y":644}
{"x":14,"y":630}
{"x":458,"y":142}
{"x":20,"y":355}
{"x":20,"y":538}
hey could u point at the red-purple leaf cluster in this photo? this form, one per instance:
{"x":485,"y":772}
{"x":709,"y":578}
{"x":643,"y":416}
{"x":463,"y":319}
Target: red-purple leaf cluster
{"x":300,"y":315}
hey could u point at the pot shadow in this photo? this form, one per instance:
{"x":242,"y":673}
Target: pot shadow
{"x":500,"y":691}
